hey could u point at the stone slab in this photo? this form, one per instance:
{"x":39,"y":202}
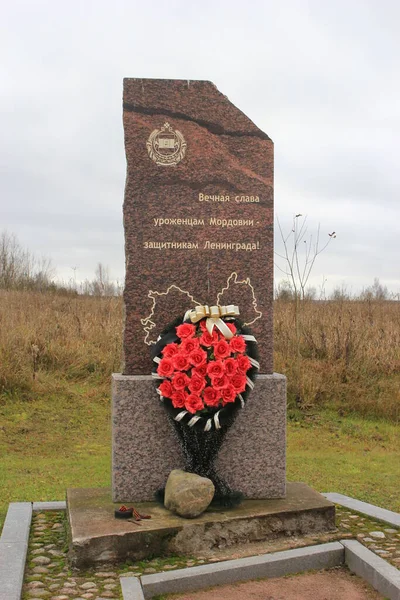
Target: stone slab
{"x":382,"y":514}
{"x":12,"y":568}
{"x":131,"y":588}
{"x":375,"y":570}
{"x":223,"y":181}
{"x":13,"y":549}
{"x":145,"y":448}
{"x":279,"y":564}
{"x":17,"y":523}
{"x":97,"y":537}
{"x":43,"y":506}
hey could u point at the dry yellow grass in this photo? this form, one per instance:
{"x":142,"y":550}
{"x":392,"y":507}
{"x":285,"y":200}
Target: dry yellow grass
{"x":346,"y":354}
{"x":75,"y":338}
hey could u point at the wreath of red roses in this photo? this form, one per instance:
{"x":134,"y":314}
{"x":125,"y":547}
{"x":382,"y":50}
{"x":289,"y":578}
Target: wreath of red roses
{"x":206,"y":377}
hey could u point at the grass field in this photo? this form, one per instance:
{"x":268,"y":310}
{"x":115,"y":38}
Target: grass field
{"x":57,"y":354}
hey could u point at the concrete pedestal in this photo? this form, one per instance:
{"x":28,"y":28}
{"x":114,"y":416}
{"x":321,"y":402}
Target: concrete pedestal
{"x":145,"y":448}
{"x":97,"y":537}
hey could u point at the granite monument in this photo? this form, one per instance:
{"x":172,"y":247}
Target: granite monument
{"x":198,"y":219}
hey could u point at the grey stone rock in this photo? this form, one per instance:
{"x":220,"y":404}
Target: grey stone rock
{"x":89,"y":585}
{"x":41,"y":560}
{"x":35,"y":584}
{"x":377,"y":534}
{"x":390,"y":530}
{"x":187,"y":494}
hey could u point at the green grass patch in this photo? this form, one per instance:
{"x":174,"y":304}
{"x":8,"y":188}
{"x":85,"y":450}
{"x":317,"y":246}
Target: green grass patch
{"x":349,"y":455}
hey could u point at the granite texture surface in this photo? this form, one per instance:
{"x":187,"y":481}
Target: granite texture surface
{"x":145,"y":449}
{"x":200,"y":231}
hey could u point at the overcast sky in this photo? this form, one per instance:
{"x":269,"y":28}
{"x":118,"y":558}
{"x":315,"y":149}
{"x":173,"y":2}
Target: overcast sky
{"x":321,"y":78}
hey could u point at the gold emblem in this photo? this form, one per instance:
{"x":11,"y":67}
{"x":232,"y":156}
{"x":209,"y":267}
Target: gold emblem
{"x":166,"y":146}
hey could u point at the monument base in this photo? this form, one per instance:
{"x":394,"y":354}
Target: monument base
{"x":96,"y":536}
{"x":252,"y":459}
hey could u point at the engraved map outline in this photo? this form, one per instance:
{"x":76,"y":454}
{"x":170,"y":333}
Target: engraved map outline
{"x":149,"y":325}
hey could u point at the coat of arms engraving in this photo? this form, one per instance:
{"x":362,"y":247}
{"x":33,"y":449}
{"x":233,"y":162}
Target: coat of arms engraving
{"x":166,"y":146}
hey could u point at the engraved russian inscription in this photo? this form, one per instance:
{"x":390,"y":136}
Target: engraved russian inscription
{"x":201,"y":232}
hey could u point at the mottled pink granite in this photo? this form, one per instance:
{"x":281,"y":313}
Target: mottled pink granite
{"x":145,"y":449}
{"x":199,"y":231}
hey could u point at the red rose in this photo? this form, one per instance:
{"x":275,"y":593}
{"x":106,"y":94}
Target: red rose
{"x":193,"y":403}
{"x":239,"y":382}
{"x":197,"y":357}
{"x":220,"y":382}
{"x":232,"y":327}
{"x":208,"y":340}
{"x":203,"y":325}
{"x":211,"y":396}
{"x":197,"y":384}
{"x":215,"y":368}
{"x":166,"y":389}
{"x":237,"y":344}
{"x":201,"y":370}
{"x":170,"y":350}
{"x":165,"y":367}
{"x":180,"y":362}
{"x":185,"y":330}
{"x":228,"y":394}
{"x":230,"y":366}
{"x":243,"y":363}
{"x":222,"y":349}
{"x":180,"y":381}
{"x":189,"y":344}
{"x":179,"y":399}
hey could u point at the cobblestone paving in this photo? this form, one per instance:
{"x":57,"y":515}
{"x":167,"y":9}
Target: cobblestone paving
{"x":49,"y":576}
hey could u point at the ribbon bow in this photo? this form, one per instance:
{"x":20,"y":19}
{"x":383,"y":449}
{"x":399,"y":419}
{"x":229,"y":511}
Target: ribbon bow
{"x":214,"y":314}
